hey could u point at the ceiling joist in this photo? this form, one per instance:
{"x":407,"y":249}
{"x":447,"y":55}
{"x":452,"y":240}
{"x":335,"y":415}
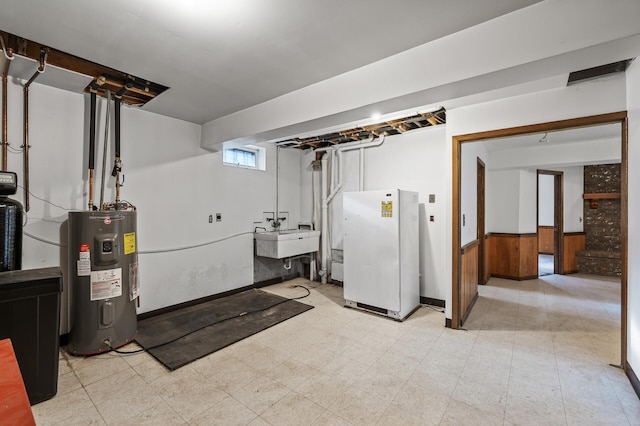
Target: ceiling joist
{"x":130,"y":89}
{"x":386,"y":128}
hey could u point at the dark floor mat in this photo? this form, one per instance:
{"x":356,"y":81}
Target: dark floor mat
{"x":210,"y":326}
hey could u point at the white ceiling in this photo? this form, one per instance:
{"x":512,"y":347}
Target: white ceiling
{"x":607,"y":132}
{"x":222,"y":56}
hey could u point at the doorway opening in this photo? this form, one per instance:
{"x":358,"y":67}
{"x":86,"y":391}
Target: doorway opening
{"x":550,"y":222}
{"x":458,"y":312}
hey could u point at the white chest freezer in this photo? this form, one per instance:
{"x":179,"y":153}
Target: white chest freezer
{"x":381,"y":244}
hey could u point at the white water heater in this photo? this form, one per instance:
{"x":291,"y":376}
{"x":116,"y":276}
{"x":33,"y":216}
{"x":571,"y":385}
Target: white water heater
{"x":381,"y":245}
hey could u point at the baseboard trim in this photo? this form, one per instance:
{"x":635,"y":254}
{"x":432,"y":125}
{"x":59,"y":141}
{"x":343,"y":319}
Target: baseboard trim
{"x":509,"y":277}
{"x":193,"y":302}
{"x":433,"y":302}
{"x":635,"y":382}
{"x":267,"y":283}
{"x":466,"y":315}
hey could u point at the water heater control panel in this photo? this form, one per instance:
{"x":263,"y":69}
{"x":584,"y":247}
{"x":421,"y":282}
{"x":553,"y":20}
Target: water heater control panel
{"x":8,"y":183}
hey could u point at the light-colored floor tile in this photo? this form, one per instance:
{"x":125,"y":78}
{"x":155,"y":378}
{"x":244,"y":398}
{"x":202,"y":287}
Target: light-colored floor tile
{"x":261,"y":394}
{"x":424,"y":400}
{"x":150,"y":370}
{"x":382,"y":385}
{"x":107,"y":367}
{"x":127,"y":404}
{"x":323,"y":389}
{"x":395,"y":415}
{"x":293,"y":409}
{"x":68,"y":382}
{"x":227,"y":412}
{"x":176,"y":382}
{"x":330,"y":419}
{"x":107,"y":388}
{"x":195,"y":399}
{"x":359,"y":407}
{"x":86,"y":417}
{"x":159,"y":414}
{"x":535,"y":352}
{"x":61,"y":407}
{"x":459,"y":413}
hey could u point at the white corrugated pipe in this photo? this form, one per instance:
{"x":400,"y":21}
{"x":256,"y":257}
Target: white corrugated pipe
{"x":324,"y":232}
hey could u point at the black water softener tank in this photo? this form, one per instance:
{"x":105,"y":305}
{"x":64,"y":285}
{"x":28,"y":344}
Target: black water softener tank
{"x":11,"y":213}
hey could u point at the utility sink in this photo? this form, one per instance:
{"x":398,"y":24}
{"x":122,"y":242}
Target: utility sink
{"x":286,"y":243}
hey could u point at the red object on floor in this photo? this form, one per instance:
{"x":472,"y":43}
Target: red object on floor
{"x":14,"y":403}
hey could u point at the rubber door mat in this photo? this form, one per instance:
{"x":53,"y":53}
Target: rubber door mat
{"x":179,"y":337}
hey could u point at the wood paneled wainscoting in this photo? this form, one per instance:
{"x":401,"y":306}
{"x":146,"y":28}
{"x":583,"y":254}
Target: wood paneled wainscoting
{"x":513,"y":256}
{"x":545,"y":239}
{"x":487,"y":265}
{"x":469,"y":278}
{"x":573,"y":243}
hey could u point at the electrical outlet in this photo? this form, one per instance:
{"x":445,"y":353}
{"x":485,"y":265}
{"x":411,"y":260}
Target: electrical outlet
{"x":210,"y":218}
{"x":432,"y":198}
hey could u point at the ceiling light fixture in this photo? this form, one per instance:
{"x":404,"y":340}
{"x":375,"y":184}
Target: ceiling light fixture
{"x":544,"y":139}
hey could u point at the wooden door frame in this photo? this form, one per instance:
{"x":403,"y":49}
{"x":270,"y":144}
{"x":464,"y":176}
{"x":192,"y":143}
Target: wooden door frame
{"x":594,"y":120}
{"x":480,"y":213}
{"x":558,"y":217}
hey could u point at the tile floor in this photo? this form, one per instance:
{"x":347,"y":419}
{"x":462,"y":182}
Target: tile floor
{"x":534,"y":352}
{"x":545,"y":264}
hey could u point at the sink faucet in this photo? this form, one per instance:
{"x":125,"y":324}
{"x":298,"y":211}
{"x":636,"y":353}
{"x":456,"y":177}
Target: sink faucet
{"x":275,"y":223}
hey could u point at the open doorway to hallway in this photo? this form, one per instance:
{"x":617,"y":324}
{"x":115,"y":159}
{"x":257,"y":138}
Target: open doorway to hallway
{"x":515,"y":245}
{"x":550,"y":221}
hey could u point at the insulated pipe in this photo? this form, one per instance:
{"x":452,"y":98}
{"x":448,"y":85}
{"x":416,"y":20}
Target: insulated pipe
{"x":8,"y":54}
{"x":104,"y":150}
{"x":350,"y":147}
{"x":325,"y":220}
{"x":117,"y":163}
{"x":92,"y":146}
{"x":361,"y":186}
{"x":25,"y":146}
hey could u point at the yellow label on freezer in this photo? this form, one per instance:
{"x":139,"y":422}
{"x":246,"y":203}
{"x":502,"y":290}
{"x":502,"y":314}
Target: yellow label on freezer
{"x":130,"y":243}
{"x":387,"y":208}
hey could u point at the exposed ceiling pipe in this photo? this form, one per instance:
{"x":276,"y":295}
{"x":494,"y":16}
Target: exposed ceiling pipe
{"x":25,"y":146}
{"x":8,"y":54}
{"x":92,"y":146}
{"x":128,"y":86}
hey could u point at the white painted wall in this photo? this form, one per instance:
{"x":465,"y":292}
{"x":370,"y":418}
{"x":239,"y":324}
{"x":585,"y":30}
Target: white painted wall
{"x":527,"y":211}
{"x":545,"y":200}
{"x":469,"y":181}
{"x":633,"y":300}
{"x":573,"y":201}
{"x":511,"y":197}
{"x":503,"y":201}
{"x":590,"y":98}
{"x":174,"y":183}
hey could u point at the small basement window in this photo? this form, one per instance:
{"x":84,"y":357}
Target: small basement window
{"x":248,"y":157}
